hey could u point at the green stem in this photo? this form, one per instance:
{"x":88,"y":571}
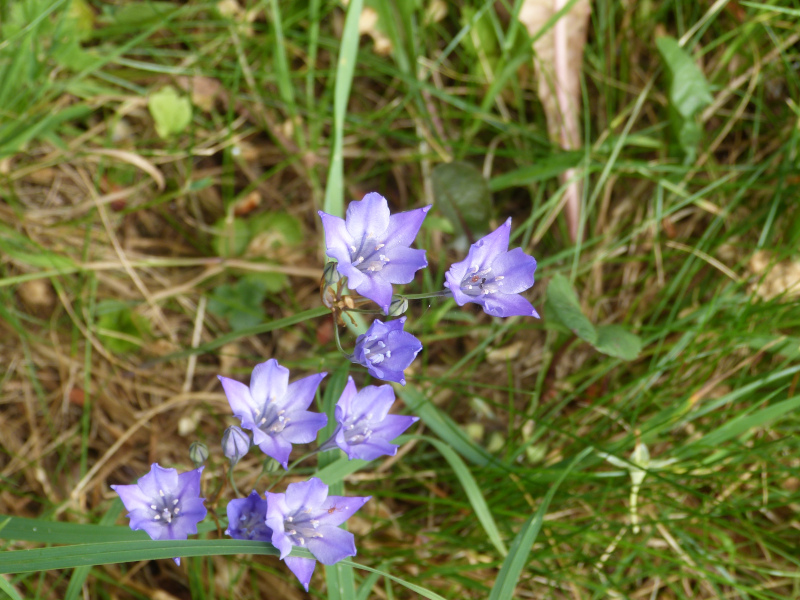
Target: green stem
{"x":439,"y":294}
{"x":292,"y":466}
{"x":306,"y":315}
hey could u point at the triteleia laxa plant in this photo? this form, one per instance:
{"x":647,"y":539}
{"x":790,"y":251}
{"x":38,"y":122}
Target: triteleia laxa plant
{"x":306,"y":516}
{"x":372,"y":247}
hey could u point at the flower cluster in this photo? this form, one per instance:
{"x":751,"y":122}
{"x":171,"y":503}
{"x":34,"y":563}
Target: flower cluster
{"x":373,"y":253}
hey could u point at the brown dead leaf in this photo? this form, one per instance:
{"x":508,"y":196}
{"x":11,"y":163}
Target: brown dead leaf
{"x":557,"y":61}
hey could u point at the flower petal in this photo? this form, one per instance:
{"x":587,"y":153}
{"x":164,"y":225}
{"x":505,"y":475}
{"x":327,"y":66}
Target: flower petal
{"x":303,"y":426}
{"x":516,"y":268}
{"x":392,"y":426}
{"x":508,"y":305}
{"x":337,"y":239}
{"x":482,"y":252}
{"x":375,"y":400}
{"x":368,"y":217}
{"x":403,"y":264}
{"x":158,"y":480}
{"x":300,"y":394}
{"x":277,"y":447}
{"x":378,"y":290}
{"x":306,"y":494}
{"x":371,"y":449}
{"x":303,"y":568}
{"x":333,"y":545}
{"x":403,"y":227}
{"x":268,"y":381}
{"x":239,"y":398}
{"x":189,"y":484}
{"x":343,"y":508}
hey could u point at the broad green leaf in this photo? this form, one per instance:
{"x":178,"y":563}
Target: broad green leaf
{"x":615,"y":340}
{"x":276,"y":229}
{"x":463,"y":196}
{"x":542,"y":170}
{"x":241,"y":303}
{"x":171,"y":112}
{"x":119,"y":328}
{"x":689,"y":91}
{"x":517,"y":559}
{"x":231,"y":237}
{"x":566,"y":307}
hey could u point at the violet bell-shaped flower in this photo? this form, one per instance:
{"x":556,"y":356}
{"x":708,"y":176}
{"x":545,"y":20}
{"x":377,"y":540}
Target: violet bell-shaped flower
{"x":494,"y":277}
{"x":365,"y":427}
{"x":386,"y":350}
{"x":307,"y":517}
{"x":275,"y":410}
{"x":246,"y":519}
{"x":372,"y":246}
{"x":164,"y":504}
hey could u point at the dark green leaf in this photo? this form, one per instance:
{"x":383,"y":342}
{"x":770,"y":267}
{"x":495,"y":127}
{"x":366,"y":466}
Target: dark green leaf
{"x":689,"y":91}
{"x":615,"y":340}
{"x":566,"y":307}
{"x":463,"y":196}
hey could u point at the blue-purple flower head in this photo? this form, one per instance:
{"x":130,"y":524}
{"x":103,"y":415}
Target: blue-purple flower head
{"x":494,"y":277}
{"x":307,"y":517}
{"x":365,"y":427}
{"x":247,"y":519}
{"x":275,"y":410}
{"x":386,"y":350}
{"x":372,"y":246}
{"x":164,"y":504}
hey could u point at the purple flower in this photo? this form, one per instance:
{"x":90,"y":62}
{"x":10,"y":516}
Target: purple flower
{"x":246,"y":519}
{"x":365,"y":428}
{"x":167,"y":506}
{"x":372,"y":246}
{"x":494,"y":277}
{"x":275,"y":410}
{"x":306,"y":516}
{"x":235,"y":444}
{"x":386,"y":350}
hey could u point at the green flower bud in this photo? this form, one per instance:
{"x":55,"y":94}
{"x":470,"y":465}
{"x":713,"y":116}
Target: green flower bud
{"x":198,"y":453}
{"x":398,"y":306}
{"x":330,"y":275}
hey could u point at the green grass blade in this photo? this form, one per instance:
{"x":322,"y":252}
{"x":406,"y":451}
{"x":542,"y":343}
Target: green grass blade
{"x":444,"y":426}
{"x":473,"y":491}
{"x":517,"y":558}
{"x":345,"y":69}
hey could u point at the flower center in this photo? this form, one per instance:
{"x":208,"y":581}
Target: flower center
{"x":272,"y":419}
{"x":300,"y":527}
{"x":368,"y":256}
{"x":480,"y":282}
{"x":250,"y":522}
{"x":165,"y":508}
{"x":375,"y":350}
{"x":358,"y":431}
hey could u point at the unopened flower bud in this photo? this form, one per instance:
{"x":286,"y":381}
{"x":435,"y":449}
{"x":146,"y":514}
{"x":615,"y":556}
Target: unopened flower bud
{"x":198,"y":453}
{"x":330,"y":275}
{"x":398,"y":306}
{"x":235,"y":444}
